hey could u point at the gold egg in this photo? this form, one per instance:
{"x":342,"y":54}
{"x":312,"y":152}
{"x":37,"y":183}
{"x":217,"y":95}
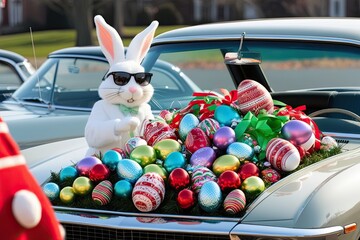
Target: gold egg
{"x":225,"y":162}
{"x":82,"y":186}
{"x":143,"y":155}
{"x":253,"y":186}
{"x":67,"y":195}
{"x":166,"y":146}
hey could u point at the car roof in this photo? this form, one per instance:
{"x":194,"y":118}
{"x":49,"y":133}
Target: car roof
{"x":15,"y":57}
{"x":322,"y":29}
{"x":88,"y":50}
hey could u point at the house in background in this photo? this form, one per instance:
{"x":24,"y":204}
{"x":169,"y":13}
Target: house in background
{"x":19,"y":15}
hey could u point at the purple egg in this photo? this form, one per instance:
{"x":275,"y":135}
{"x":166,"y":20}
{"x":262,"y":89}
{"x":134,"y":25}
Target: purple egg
{"x":83,"y":166}
{"x":297,"y":132}
{"x":223,"y":137}
{"x":203,"y":157}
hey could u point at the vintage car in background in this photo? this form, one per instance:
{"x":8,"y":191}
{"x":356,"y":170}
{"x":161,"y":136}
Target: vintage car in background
{"x":14,"y":70}
{"x":55,"y":103}
{"x":301,"y":62}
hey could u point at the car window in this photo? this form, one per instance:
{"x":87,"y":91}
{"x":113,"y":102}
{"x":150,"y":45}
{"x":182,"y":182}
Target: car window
{"x":9,"y":78}
{"x":77,"y":81}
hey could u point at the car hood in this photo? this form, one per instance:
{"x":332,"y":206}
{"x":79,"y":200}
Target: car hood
{"x":304,"y":189}
{"x":11,"y":112}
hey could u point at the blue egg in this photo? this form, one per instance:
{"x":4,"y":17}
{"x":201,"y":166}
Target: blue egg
{"x":68,"y":173}
{"x":226,"y":115}
{"x":174,"y":160}
{"x":111,"y":159}
{"x":188,"y":122}
{"x":123,"y":189}
{"x":210,"y":197}
{"x":241,"y":150}
{"x":129,"y":170}
{"x":51,"y":190}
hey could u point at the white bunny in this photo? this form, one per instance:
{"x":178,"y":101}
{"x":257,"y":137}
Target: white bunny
{"x":123,"y":109}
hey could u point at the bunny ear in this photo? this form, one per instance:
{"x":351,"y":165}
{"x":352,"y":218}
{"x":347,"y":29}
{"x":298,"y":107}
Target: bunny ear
{"x":109,"y":40}
{"x":140,"y":45}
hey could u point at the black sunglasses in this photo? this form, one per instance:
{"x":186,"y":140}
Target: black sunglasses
{"x":122,"y":78}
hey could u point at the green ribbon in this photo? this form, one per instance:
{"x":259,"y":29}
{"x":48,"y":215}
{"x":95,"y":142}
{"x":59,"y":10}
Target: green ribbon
{"x":262,"y":128}
{"x":128,"y":110}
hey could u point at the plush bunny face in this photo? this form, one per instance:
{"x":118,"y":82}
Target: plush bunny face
{"x":131,"y":94}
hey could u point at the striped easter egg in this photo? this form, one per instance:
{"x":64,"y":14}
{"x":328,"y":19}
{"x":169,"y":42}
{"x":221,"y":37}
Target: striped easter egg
{"x":252,"y":97}
{"x":235,"y":201}
{"x":200,"y":176}
{"x":148,"y":192}
{"x":102,"y":193}
{"x":282,"y":154}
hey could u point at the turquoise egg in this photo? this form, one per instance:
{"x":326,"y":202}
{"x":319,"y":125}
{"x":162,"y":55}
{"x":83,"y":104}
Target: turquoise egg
{"x":68,"y":173}
{"x":241,"y":150}
{"x":187,"y":123}
{"x":51,"y":190}
{"x":111,"y":159}
{"x":123,"y":189}
{"x":174,"y":160}
{"x":210,"y":197}
{"x":226,"y":115}
{"x":129,"y":170}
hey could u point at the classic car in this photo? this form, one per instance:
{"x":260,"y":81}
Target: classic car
{"x":310,"y":67}
{"x":14,"y":70}
{"x":54,"y":104}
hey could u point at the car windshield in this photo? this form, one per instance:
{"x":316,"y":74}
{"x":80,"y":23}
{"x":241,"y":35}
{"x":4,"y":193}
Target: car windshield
{"x":287,"y":65}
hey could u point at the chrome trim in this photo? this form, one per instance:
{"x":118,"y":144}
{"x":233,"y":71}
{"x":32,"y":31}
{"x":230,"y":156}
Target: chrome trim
{"x":282,"y":232}
{"x":77,"y":56}
{"x":343,"y":135}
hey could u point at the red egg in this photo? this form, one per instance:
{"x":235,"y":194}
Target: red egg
{"x":196,"y":139}
{"x":247,"y":170}
{"x":99,"y":172}
{"x":270,"y":175}
{"x":179,"y":178}
{"x":229,"y":180}
{"x":186,"y":198}
{"x":282,"y":154}
{"x":252,"y":97}
{"x":156,"y":131}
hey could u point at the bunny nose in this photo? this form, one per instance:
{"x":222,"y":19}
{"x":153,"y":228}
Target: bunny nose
{"x":132,"y":89}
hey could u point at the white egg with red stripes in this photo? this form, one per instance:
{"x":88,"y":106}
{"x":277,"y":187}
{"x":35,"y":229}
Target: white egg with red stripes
{"x":148,"y":192}
{"x":282,"y":154}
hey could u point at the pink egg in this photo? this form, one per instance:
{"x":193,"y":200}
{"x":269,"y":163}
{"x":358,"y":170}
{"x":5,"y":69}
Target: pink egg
{"x":252,"y":96}
{"x":196,"y":139}
{"x":223,"y":137}
{"x":235,"y":201}
{"x":148,"y":192}
{"x":282,"y":154}
{"x":203,"y":157}
{"x":298,"y":133}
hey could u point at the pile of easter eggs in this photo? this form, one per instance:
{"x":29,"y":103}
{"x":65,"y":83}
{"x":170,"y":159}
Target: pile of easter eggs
{"x":201,"y":160}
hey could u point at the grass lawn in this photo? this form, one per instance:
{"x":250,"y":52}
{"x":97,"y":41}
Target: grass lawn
{"x":48,"y":41}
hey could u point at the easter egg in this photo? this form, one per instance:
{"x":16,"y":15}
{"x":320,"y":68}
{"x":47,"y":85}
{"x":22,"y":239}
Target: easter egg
{"x":148,"y":192}
{"x":102,"y":193}
{"x":210,"y":197}
{"x":166,"y":115}
{"x":67,"y":195}
{"x":68,"y":173}
{"x":196,"y":139}
{"x":129,"y":170}
{"x":240,"y":150}
{"x":226,"y":115}
{"x":253,"y":186}
{"x":228,"y":180}
{"x":99,"y":172}
{"x":155,"y":131}
{"x":84,"y":165}
{"x":143,"y":155}
{"x":186,"y":199}
{"x":203,"y":157}
{"x":121,"y":151}
{"x":252,"y":97}
{"x":225,"y":162}
{"x":298,"y":133}
{"x":188,"y":122}
{"x":269,"y":175}
{"x":51,"y":190}
{"x":247,"y":170}
{"x":164,"y":147}
{"x":179,"y":178}
{"x":174,"y":160}
{"x":328,"y":143}
{"x":133,"y":143}
{"x":282,"y":154}
{"x":123,"y":189}
{"x":111,"y":159}
{"x":82,"y":186}
{"x":223,"y":137}
{"x":234,"y":202}
{"x":209,"y":126}
{"x":157,"y":169}
{"x":201,"y":175}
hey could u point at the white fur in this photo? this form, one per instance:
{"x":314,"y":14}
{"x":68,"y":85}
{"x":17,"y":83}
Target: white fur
{"x":109,"y":127}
